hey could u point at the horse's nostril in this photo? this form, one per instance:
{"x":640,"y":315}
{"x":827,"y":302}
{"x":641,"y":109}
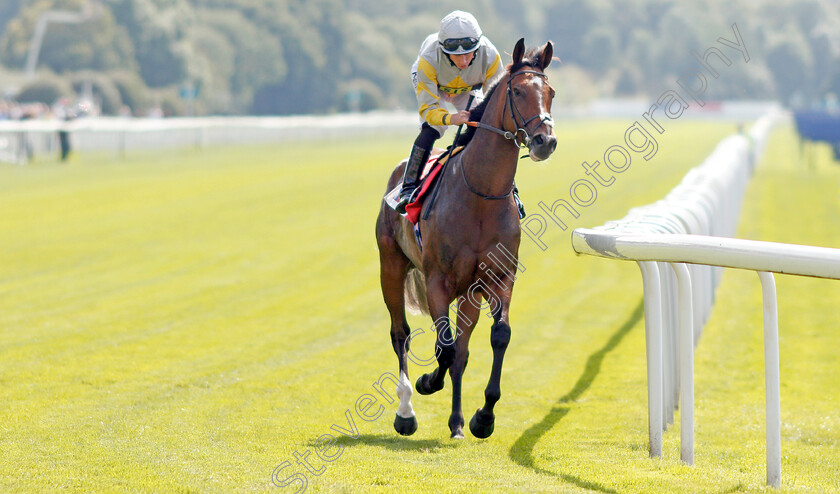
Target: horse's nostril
{"x":539,"y":140}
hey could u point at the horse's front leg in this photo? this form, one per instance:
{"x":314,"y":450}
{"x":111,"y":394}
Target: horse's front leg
{"x":467,"y":318}
{"x":482,"y":423}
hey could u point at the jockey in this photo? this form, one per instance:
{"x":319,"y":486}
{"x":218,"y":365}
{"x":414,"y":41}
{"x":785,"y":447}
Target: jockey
{"x":452,"y":66}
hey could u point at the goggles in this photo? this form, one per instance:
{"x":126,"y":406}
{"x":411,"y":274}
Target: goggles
{"x":451,"y":45}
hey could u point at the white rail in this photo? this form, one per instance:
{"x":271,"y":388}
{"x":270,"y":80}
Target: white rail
{"x":755,"y":255}
{"x":679,"y":250}
{"x":680,"y":244}
{"x":21,"y":139}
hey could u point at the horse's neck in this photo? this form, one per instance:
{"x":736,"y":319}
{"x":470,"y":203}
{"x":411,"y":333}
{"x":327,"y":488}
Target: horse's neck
{"x":489,"y":160}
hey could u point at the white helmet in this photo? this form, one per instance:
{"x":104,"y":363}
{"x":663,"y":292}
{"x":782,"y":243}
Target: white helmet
{"x":459,"y":33}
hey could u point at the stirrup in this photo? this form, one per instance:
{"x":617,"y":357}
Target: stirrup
{"x":392,"y":197}
{"x":519,"y":204}
{"x":400,"y":206}
{"x":406,"y":196}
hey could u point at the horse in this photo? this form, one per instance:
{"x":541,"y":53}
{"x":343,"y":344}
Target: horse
{"x":470,"y":241}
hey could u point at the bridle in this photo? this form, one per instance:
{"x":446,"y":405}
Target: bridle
{"x":520,"y":137}
{"x":521,"y":130}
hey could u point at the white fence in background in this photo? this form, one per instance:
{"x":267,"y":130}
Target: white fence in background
{"x":19,"y":140}
{"x":680,"y":244}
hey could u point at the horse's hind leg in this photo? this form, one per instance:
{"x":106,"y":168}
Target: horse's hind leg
{"x":439,"y":299}
{"x":482,"y":423}
{"x":393,"y":269}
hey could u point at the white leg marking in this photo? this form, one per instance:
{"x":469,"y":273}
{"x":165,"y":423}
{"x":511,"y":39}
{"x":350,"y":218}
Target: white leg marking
{"x":404,"y":392}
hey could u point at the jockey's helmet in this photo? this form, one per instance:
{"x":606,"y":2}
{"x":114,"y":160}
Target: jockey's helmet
{"x":459,"y":33}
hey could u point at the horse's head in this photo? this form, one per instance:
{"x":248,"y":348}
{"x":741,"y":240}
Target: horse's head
{"x":529,"y":97}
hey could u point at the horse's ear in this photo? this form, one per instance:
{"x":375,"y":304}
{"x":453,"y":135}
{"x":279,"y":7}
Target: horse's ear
{"x":547,"y":53}
{"x":519,"y":51}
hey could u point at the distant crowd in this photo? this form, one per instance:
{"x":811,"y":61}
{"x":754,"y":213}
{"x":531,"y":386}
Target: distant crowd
{"x":11,"y":110}
{"x":63,"y":109}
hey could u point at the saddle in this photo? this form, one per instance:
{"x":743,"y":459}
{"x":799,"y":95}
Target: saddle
{"x":428,"y":179}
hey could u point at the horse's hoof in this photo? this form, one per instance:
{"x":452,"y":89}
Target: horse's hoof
{"x":457,"y":434}
{"x":405,"y":426}
{"x":424,"y":386}
{"x":481,"y":424}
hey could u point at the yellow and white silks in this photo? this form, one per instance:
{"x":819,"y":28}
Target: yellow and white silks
{"x":436,"y":80}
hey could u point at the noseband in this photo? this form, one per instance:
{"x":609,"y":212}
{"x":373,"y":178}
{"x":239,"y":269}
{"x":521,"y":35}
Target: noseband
{"x":520,"y":137}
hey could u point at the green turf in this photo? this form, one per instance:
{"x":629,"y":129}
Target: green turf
{"x":187,"y":321}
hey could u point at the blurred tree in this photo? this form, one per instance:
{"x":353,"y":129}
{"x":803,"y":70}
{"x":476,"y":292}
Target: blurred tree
{"x":304,"y":56}
{"x":792,"y":66}
{"x":824,"y":41}
{"x":133,"y":92}
{"x":168,"y":100}
{"x":806,"y":13}
{"x":104,"y":91}
{"x":157,"y":29}
{"x":743,"y":82}
{"x":599,"y":49}
{"x":514,"y":15}
{"x":98,"y":44}
{"x":246,"y":55}
{"x":374,"y":58}
{"x":570,"y":21}
{"x":360,"y":95}
{"x":676,"y":35}
{"x":212,"y":65}
{"x":46,"y":89}
{"x":641,"y":53}
{"x":8,"y":10}
{"x":316,"y":64}
{"x":629,"y":82}
{"x":14,"y":45}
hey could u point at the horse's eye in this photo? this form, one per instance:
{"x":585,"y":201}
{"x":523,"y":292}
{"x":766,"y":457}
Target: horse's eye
{"x":517,"y":92}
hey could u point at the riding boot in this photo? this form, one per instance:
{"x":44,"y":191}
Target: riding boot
{"x":411,"y":178}
{"x":519,"y":204}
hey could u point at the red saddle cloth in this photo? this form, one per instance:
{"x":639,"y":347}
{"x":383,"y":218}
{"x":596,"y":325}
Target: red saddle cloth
{"x":428,"y":177}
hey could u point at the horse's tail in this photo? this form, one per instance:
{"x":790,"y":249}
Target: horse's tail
{"x":415,"y":292}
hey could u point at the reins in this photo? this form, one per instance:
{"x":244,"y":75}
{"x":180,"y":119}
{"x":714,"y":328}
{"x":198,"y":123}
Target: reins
{"x":525,"y":143}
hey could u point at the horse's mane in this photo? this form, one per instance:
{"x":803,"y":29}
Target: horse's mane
{"x":531,"y":59}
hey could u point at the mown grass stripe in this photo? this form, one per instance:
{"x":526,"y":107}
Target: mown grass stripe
{"x":187,"y":321}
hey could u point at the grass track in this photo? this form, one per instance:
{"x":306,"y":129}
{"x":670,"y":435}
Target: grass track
{"x":188,"y":321}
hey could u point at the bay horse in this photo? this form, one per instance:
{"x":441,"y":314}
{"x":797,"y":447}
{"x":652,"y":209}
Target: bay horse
{"x":470,"y":240}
